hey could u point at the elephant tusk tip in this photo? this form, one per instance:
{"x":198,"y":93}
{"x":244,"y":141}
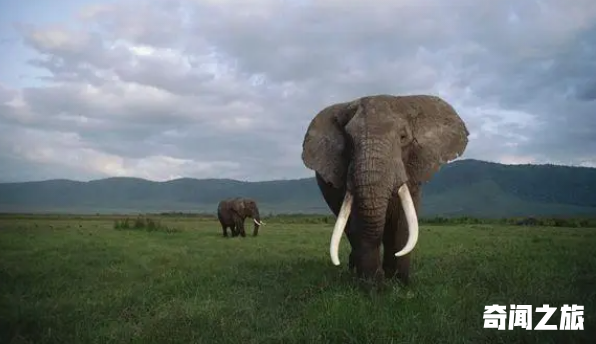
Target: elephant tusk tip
{"x":401,"y":253}
{"x":335,"y":260}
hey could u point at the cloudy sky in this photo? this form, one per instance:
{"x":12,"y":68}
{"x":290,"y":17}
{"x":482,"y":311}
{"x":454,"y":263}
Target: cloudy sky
{"x":164,"y":89}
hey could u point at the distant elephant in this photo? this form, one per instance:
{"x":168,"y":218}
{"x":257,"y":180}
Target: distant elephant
{"x":232,"y":212}
{"x":371,"y":156}
{"x":528,"y":221}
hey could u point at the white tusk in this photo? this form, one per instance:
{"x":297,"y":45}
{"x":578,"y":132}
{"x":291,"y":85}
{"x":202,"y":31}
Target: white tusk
{"x":411,"y":218}
{"x":340,"y":225}
{"x":257,"y":222}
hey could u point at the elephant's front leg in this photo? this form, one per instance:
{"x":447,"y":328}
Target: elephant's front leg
{"x":334,"y":198}
{"x":395,"y":236}
{"x":351,"y":235}
{"x":236,"y":226}
{"x":240,"y":227}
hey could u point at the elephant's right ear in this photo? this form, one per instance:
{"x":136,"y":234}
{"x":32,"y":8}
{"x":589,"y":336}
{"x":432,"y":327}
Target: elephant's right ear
{"x":324,"y":142}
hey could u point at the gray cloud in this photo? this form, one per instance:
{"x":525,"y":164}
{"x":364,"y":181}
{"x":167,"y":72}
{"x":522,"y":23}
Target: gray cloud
{"x":227,"y":88}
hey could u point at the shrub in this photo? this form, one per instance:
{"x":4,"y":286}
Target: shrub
{"x":143,"y":223}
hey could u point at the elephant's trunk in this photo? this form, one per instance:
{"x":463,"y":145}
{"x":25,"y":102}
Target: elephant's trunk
{"x":371,"y":185}
{"x":374,"y":181}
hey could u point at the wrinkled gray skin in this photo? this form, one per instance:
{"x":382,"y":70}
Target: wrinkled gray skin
{"x":232,"y":212}
{"x":372,"y":146}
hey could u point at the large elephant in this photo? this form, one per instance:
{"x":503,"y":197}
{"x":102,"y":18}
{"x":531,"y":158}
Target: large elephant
{"x":371,"y":156}
{"x":232,"y":212}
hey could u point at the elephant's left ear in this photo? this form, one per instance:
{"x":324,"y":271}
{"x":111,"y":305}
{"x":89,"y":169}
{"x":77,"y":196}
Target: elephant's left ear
{"x":440,"y":135}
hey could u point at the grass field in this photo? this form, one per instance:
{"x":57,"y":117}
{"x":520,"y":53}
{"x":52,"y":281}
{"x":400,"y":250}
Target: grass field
{"x":79,"y":280}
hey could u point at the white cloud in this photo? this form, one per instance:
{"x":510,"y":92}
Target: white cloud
{"x":227,"y":88}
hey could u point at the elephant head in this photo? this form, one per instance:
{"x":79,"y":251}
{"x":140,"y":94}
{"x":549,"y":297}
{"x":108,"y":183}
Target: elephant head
{"x":246,"y":207}
{"x":372,"y":148}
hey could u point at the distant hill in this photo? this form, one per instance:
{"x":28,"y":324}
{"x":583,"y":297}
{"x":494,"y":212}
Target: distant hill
{"x":465,"y":187}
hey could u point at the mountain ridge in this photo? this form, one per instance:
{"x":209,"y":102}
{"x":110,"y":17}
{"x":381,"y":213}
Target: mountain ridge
{"x":464,"y":187}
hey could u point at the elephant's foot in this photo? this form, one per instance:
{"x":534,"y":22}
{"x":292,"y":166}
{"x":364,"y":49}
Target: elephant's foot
{"x":375,"y":276}
{"x":403,"y":277}
{"x":394,"y":275}
{"x":397,"y":269}
{"x":371,"y":282}
{"x":352,"y":261}
{"x":390,"y":266}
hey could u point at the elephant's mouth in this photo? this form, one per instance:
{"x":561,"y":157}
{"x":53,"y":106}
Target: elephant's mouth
{"x":342,"y":219}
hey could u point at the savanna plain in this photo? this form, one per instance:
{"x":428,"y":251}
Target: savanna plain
{"x":98,"y":279}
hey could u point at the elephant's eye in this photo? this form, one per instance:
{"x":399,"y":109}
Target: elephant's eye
{"x":404,"y":137}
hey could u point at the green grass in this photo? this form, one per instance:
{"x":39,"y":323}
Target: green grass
{"x":80,"y":280}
